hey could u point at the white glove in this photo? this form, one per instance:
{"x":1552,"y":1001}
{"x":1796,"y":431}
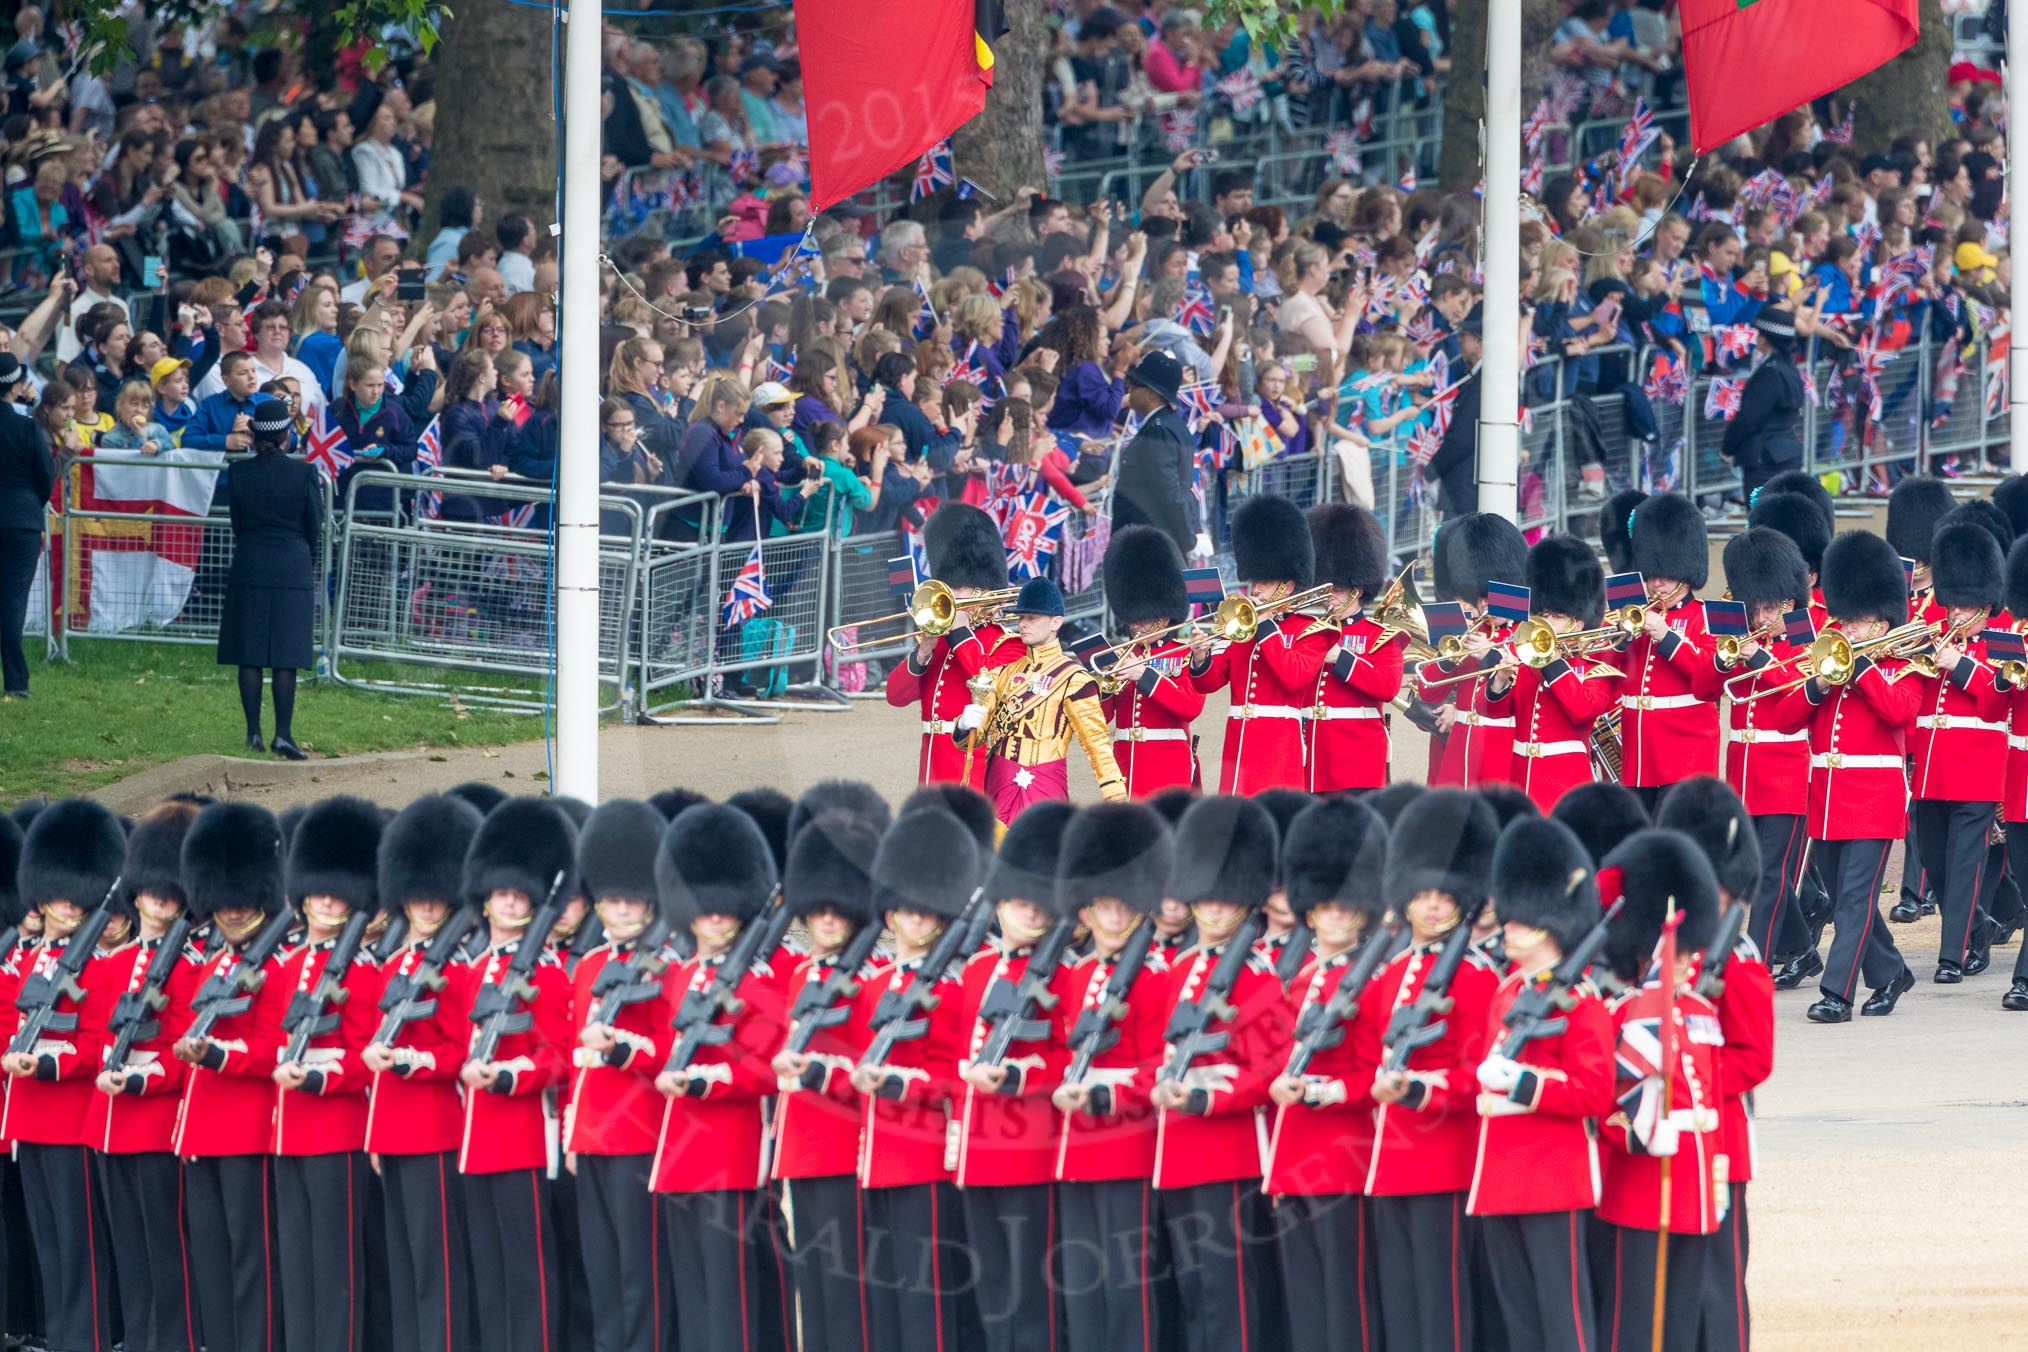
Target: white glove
{"x":1664,"y":1140}
{"x":972,"y":718}
{"x":1201,"y":548}
{"x":1498,"y":1074}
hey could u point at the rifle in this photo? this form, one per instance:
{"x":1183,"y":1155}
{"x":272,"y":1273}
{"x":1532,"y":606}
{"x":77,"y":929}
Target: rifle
{"x":1289,"y":962}
{"x":1189,"y":1033}
{"x":904,"y":1017}
{"x":10,"y":939}
{"x":411,"y":998}
{"x":628,"y":981}
{"x":696,"y":1020}
{"x":1417,"y":1025}
{"x":1096,"y":1028}
{"x":1011,"y":1006}
{"x":1537,"y":1012}
{"x":819,"y":1005}
{"x":392,"y":938}
{"x":1711,"y":972}
{"x":310,"y":1012}
{"x":1323,"y":1025}
{"x":40,"y":992}
{"x":224,"y":994}
{"x":134,"y":1013}
{"x":497,"y":1008}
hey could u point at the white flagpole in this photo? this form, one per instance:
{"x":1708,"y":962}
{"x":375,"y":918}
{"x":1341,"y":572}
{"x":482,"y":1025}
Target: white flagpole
{"x":1500,"y":248}
{"x":2017,"y":289}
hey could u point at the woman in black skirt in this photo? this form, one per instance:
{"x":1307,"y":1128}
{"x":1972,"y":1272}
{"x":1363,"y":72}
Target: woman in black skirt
{"x":270,"y":597}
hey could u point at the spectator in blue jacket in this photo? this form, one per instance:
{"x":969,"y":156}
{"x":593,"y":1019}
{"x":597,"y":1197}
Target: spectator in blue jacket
{"x":378,"y":430}
{"x":224,"y":421}
{"x":709,"y":460}
{"x":1089,"y":398}
{"x":895,"y":374}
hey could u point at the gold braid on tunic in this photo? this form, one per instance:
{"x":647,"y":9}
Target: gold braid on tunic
{"x":1038,"y":703}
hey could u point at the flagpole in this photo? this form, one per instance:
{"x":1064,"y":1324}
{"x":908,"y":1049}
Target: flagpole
{"x":575,"y":769}
{"x":1500,"y":250}
{"x":2017,"y":289}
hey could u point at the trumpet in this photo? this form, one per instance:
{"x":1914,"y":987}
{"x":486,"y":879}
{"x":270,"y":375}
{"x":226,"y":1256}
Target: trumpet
{"x":933,"y":611}
{"x":1238,"y":616}
{"x":1925,"y":662}
{"x":1833,"y":658}
{"x":1535,"y":645}
{"x":1730,"y":647}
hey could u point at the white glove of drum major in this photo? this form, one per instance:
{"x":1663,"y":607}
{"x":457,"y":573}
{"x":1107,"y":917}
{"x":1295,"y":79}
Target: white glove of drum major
{"x":971,"y":718}
{"x":1200,"y":548}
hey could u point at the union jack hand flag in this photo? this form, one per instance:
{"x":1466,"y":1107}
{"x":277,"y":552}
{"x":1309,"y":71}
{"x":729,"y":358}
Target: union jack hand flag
{"x":925,"y":318}
{"x":932,"y":171}
{"x":429,"y":458}
{"x":326,"y":446}
{"x":1407,"y":183}
{"x":1195,"y":313}
{"x":1421,"y":330}
{"x":968,"y":367}
{"x":1030,"y":532}
{"x":1721,"y":401}
{"x":1669,"y":383}
{"x":1052,"y":163}
{"x":1872,"y":363}
{"x":1342,"y":145}
{"x":744,"y":166}
{"x":777,"y":371}
{"x":1639,"y":134}
{"x":1199,"y":400}
{"x":1531,"y":177}
{"x":749,"y":594}
{"x":1841,"y":135}
{"x":1242,"y":89}
{"x":1536,"y":125}
{"x":1999,"y":343}
{"x":1734,"y":342}
{"x":1179,"y":129}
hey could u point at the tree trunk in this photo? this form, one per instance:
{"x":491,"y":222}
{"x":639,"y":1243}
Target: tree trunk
{"x":1001,"y":148}
{"x":1465,"y":97}
{"x":1908,"y":94}
{"x":494,"y":131}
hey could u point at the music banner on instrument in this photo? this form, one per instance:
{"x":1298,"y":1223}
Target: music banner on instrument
{"x":1507,"y":601}
{"x":1626,"y":589}
{"x":1798,"y":628}
{"x":1726,"y":619}
{"x":1445,"y":619}
{"x":2004,"y":645}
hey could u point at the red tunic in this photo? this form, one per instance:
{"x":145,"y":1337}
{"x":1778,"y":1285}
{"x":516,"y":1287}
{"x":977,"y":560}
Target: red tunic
{"x":327,"y":1116}
{"x":1152,"y":740}
{"x":56,"y":1110}
{"x":1746,"y":1016}
{"x":1007,"y":1139}
{"x":1324,"y":1145}
{"x":1960,"y":739}
{"x":415,"y":1109}
{"x":1479,"y":749}
{"x":1535,"y":1144}
{"x":1264,"y":729}
{"x":614,"y":1109}
{"x":905,"y":1139}
{"x":1768,"y":767}
{"x":938,"y":686}
{"x":718,"y":1141}
{"x":1119,"y":1143}
{"x":1668,"y":703}
{"x":1425,"y":1144}
{"x":817,"y":1130}
{"x":2014,"y":806}
{"x":1227,"y":1141}
{"x":145,"y":1122}
{"x":1858,"y":788}
{"x":231,"y":1110}
{"x":513,"y":1125}
{"x":1356,"y":678}
{"x":1554,"y":708}
{"x":1631,"y":1192}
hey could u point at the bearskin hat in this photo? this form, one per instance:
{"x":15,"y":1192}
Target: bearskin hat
{"x":853,"y":796}
{"x":24,"y":812}
{"x":72,"y":851}
{"x":2010,"y":495}
{"x":714,"y":860}
{"x":1914,"y":508}
{"x":1542,"y":878}
{"x":2017,"y":578}
{"x":1709,"y":812}
{"x":335,"y":853}
{"x":1797,"y":517}
{"x":11,"y":910}
{"x":1173,"y":802}
{"x":1656,"y":871}
{"x":1118,"y":850}
{"x":928,"y":861}
{"x":422,"y":852}
{"x":1391,"y":801}
{"x":577,"y":809}
{"x":770,"y":810}
{"x":1508,"y":802}
{"x":1564,"y":578}
{"x":1601,"y":815}
{"x":1350,"y":546}
{"x":154,"y":861}
{"x":1442,"y":842}
{"x":964,"y":548}
{"x":521,"y":847}
{"x":671,"y":802}
{"x":1981,"y":513}
{"x":831,"y":865}
{"x":1862,"y":578}
{"x":288,"y":819}
{"x":969,"y":806}
{"x":1143,"y":573}
{"x":1764,"y":566}
{"x":1616,"y":528}
{"x":232,"y":860}
{"x":1967,"y":566}
{"x":1271,"y":542}
{"x":1670,"y":540}
{"x":1335,"y":850}
{"x":1474,"y":550}
{"x":1283,"y":805}
{"x":1025,"y":867}
{"x":1226,"y":850}
{"x":484,"y":797}
{"x":1806,"y":485}
{"x":616,"y":851}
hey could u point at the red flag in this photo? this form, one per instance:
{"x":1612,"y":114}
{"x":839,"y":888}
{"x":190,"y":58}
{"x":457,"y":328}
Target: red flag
{"x":885,"y":80}
{"x":1740,"y":56}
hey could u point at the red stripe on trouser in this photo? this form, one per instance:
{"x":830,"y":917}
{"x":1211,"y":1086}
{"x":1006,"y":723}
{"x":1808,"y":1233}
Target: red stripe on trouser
{"x":183,"y":1253}
{"x":1866,"y":927}
{"x":1239,"y":1265}
{"x":1619,"y":1283}
{"x":267,"y":1262}
{"x":1147,"y":1323}
{"x":1050,"y":1231}
{"x":1576,"y":1304}
{"x":1972,"y":911}
{"x":444,"y":1234}
{"x":1738,"y":1274}
{"x":1457,"y":1326}
{"x":92,"y":1248}
{"x":351,"y":1273}
{"x":739,"y":1261}
{"x":936,"y":1265}
{"x":859,"y":1252}
{"x":541,"y":1263}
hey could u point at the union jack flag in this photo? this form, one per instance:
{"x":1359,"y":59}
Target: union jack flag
{"x":744,"y":166}
{"x":1867,"y":236}
{"x":1030,"y":532}
{"x":429,"y":459}
{"x":1721,"y":401}
{"x":1407,"y":183}
{"x":1639,"y":134}
{"x":1536,"y":125}
{"x":1531,"y":177}
{"x":1001,"y":285}
{"x":932,"y":171}
{"x":1195,"y":313}
{"x":1242,"y":89}
{"x":1421,"y":330}
{"x":1200,"y":400}
{"x":1426,"y":246}
{"x":1810,"y":388}
{"x":749,"y":594}
{"x":926,"y":317}
{"x":326,"y":445}
{"x":1733,"y":342}
{"x":1820,"y":194}
{"x":1668,"y":383}
{"x":1871,"y":363}
{"x":1052,"y":163}
{"x":777,"y":371}
{"x":1610,"y":101}
{"x":969,"y":367}
{"x":1342,"y":145}
{"x":1423,"y":444}
{"x":1841,"y":135}
{"x":1567,"y":94}
{"x":1999,"y":343}
{"x":1179,"y":128}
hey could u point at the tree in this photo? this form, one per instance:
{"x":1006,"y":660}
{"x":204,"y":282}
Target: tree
{"x":495,"y":131}
{"x":1465,"y":96}
{"x":1909,"y":94}
{"x":1001,"y":148}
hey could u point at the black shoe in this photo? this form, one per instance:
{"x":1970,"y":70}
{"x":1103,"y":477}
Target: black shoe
{"x":1881,"y":1003}
{"x":1928,"y":906}
{"x":1905,"y":912}
{"x":1831,"y":1009}
{"x":1948,"y":974}
{"x":2016,"y":997}
{"x":15,"y":694}
{"x":288,"y":750}
{"x":1797,"y":970}
{"x":253,"y":742}
{"x":1977,"y":961}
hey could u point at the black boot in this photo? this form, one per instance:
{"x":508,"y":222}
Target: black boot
{"x":1881,"y":1003}
{"x":288,"y":750}
{"x":1831,"y":1009}
{"x":1906,"y":911}
{"x":2016,"y":997}
{"x":1948,"y":973}
{"x":1797,"y":970}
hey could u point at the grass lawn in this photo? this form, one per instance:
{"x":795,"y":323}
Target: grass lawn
{"x":118,"y":708}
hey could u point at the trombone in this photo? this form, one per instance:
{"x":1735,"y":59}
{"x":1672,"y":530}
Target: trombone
{"x":1535,"y":645}
{"x":1832,"y":659}
{"x":1234,"y":621}
{"x":1925,"y":662}
{"x":933,"y":611}
{"x":1730,"y":647}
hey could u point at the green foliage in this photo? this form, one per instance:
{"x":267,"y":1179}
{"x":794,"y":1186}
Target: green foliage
{"x":1267,"y":22}
{"x":106,"y":33}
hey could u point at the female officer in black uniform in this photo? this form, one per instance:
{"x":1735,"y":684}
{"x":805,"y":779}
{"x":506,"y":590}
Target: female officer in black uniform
{"x":1761,"y":438}
{"x":26,"y":476}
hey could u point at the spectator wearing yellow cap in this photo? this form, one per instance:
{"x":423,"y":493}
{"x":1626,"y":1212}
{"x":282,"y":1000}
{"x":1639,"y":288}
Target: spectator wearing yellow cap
{"x":169,"y":377}
{"x":1975,"y":262}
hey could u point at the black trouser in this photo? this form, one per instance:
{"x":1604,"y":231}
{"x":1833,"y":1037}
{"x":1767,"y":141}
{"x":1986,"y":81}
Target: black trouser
{"x":515,"y":1283}
{"x":1916,"y":880}
{"x":150,"y":1261}
{"x":320,"y":1201}
{"x":1423,"y":1266}
{"x":1541,"y":1279}
{"x":726,"y":1268}
{"x":1327,"y":1273}
{"x":1953,"y":837}
{"x":428,"y":1252}
{"x":67,"y":1225}
{"x":575,"y":1332}
{"x":20,"y":554}
{"x":19,"y":1296}
{"x":1215,"y":1249}
{"x":918,"y":1269}
{"x":1728,"y":1323}
{"x":825,"y":1223}
{"x":1861,"y":946}
{"x":617,"y":1234}
{"x":1626,"y":1291}
{"x":1776,"y":926}
{"x":228,"y":1203}
{"x":1013,"y":1232}
{"x":1106,"y":1266}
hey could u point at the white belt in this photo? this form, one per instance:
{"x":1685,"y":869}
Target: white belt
{"x":1945,"y":722}
{"x":1838,"y":760}
{"x":1536,"y":750}
{"x":1244,"y":711}
{"x":1151,"y":734}
{"x":2017,"y":743}
{"x":1324,"y":713}
{"x":1478,"y":720}
{"x":937,"y":727}
{"x":1646,"y":702}
{"x":1763,"y":735}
